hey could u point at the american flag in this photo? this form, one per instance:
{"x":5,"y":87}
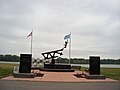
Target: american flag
{"x":30,"y":34}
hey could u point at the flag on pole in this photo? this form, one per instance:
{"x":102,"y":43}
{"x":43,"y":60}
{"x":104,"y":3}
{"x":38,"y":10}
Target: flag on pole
{"x":67,"y":37}
{"x":30,"y":34}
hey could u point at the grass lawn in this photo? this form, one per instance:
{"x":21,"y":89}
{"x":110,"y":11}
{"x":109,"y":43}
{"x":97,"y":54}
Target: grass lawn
{"x":113,"y":73}
{"x":6,"y":69}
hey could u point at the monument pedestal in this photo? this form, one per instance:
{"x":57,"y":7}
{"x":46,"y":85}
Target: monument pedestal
{"x":57,"y":68}
{"x":16,"y":73}
{"x":24,"y":75}
{"x":88,"y":76}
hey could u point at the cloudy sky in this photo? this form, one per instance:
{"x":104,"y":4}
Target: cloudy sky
{"x":94,"y":25}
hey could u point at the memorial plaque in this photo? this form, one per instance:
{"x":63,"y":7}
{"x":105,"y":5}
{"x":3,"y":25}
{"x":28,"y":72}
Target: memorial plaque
{"x":25,"y":63}
{"x":94,"y":68}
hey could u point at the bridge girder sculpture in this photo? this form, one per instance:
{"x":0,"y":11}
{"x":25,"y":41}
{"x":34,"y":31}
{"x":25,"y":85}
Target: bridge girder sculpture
{"x":54,"y":54}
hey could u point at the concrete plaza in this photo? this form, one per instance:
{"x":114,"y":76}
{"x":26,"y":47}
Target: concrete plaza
{"x":58,"y":81}
{"x":59,"y":77}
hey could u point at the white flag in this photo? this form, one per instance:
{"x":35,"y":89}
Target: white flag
{"x":67,"y":37}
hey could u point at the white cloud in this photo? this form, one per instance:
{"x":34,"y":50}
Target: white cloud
{"x":94,"y":25}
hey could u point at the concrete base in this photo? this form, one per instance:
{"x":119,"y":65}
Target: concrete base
{"x":16,"y":73}
{"x":24,"y":75}
{"x":56,"y":70}
{"x":87,"y":76}
{"x":57,"y":66}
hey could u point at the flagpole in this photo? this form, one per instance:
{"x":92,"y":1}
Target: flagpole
{"x":31,"y":42}
{"x":70,"y":48}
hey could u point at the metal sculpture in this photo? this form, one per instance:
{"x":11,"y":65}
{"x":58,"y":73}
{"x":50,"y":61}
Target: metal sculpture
{"x":54,"y":54}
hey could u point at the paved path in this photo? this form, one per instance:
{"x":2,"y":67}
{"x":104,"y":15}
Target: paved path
{"x":60,"y":77}
{"x":26,"y":85}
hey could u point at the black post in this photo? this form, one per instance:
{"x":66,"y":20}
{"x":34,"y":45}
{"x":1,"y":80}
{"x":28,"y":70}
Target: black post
{"x":53,"y":61}
{"x":94,"y":68}
{"x":25,"y":63}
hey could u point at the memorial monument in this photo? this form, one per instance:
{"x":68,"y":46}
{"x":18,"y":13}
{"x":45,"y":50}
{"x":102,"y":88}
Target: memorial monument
{"x":52,"y":66}
{"x":24,"y":70}
{"x":25,"y":63}
{"x":94,"y":68}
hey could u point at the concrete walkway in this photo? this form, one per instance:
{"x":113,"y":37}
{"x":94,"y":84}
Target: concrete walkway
{"x":59,"y":77}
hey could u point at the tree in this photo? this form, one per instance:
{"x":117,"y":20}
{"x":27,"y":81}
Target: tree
{"x":10,"y":58}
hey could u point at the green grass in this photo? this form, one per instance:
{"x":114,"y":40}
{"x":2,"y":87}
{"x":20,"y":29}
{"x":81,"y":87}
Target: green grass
{"x":113,"y":73}
{"x":6,"y":69}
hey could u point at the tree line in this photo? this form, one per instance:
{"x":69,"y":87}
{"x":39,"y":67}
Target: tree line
{"x":10,"y":58}
{"x":15,"y":58}
{"x":86,"y":61}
